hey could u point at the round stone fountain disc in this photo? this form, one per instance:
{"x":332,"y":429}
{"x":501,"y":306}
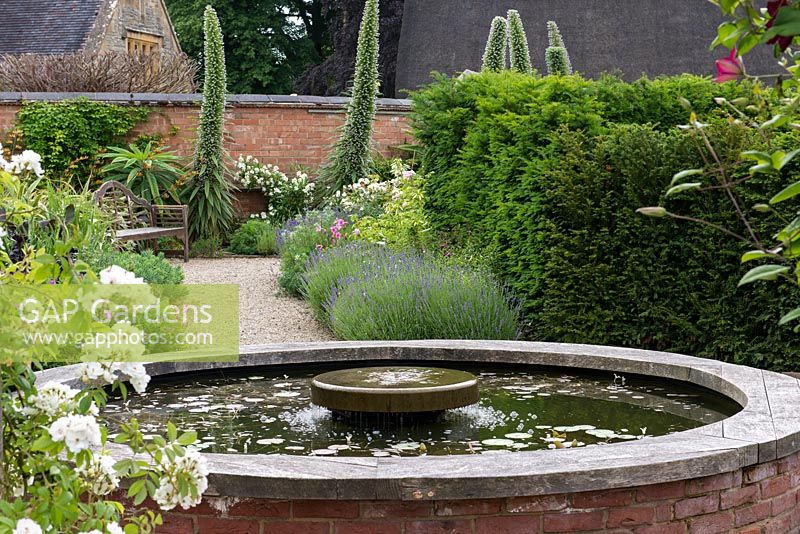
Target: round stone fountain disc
{"x":394,"y":389}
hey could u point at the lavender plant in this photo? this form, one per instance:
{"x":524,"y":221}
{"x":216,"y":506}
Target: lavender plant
{"x":377,"y":293}
{"x":494,"y":57}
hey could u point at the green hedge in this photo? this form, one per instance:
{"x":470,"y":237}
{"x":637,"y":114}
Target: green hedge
{"x":544,"y":175}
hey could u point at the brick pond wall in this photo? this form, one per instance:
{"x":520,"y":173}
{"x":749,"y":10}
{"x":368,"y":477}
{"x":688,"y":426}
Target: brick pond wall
{"x":759,"y":499}
{"x":282,"y":130}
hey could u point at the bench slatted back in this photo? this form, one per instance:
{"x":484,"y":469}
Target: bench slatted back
{"x":126,"y":209}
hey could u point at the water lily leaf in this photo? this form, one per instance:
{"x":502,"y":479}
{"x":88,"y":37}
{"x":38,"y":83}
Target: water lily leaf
{"x":763,"y":272}
{"x":498,"y":442}
{"x":270,"y":441}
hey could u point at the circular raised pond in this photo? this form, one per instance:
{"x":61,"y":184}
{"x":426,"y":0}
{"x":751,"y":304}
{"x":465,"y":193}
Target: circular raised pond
{"x":564,"y":438}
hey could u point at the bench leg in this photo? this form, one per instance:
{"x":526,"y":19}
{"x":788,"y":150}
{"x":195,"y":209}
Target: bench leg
{"x":186,"y":247}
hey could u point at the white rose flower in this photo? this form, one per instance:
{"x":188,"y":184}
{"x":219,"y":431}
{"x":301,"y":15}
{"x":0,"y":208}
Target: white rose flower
{"x":191,"y":465}
{"x":52,"y":398}
{"x":114,"y":528}
{"x":100,"y":474}
{"x":117,"y":275}
{"x":78,"y":432}
{"x":27,"y":526}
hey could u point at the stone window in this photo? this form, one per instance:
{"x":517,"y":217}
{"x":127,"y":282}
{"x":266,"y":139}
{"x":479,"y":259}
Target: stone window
{"x":143,"y":43}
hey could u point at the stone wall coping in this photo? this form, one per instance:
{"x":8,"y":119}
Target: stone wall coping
{"x":767,"y":428}
{"x":163,"y":99}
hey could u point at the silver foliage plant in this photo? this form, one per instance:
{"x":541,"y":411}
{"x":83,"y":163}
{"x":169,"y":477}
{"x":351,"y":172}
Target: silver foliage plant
{"x":352,"y":158}
{"x":556,"y":56}
{"x":494,"y":58}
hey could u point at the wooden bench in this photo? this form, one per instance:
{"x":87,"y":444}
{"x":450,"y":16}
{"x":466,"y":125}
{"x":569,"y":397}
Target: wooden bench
{"x":135,"y":219}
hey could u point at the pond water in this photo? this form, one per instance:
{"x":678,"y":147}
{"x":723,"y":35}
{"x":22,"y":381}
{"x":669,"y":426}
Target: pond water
{"x":269,"y":411}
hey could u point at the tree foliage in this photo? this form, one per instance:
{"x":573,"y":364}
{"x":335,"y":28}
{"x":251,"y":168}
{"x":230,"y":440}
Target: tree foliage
{"x":269,"y":42}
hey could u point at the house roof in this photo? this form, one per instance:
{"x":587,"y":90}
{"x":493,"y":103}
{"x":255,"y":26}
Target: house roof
{"x":46,"y":26}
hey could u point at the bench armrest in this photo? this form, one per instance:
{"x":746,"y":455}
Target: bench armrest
{"x":171,"y":216}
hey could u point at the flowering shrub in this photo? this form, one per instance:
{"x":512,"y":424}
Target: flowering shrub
{"x":57,"y":469}
{"x":368,"y":197}
{"x":287,"y":196}
{"x":765,"y":126}
{"x":26,"y":162}
{"x":300,"y":237}
{"x":403,"y":223}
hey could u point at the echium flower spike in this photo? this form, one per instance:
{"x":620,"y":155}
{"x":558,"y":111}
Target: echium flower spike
{"x":352,"y":158}
{"x":518,"y":44}
{"x":556,"y":56}
{"x":211,"y":198}
{"x":494,"y":58}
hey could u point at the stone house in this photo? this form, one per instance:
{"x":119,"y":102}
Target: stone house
{"x":67,"y":26}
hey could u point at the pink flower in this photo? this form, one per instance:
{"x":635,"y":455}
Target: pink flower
{"x":356,"y":232}
{"x":408,"y":174}
{"x":729,"y":68}
{"x":320,"y":248}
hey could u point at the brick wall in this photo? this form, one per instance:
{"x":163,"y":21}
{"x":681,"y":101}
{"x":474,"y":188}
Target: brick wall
{"x":762,"y":499}
{"x":283,"y":130}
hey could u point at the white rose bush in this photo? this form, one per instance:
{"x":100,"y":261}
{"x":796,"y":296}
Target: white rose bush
{"x":286,"y":196}
{"x":60,"y":471}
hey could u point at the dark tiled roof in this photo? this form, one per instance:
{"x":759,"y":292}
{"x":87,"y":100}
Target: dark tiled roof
{"x":46,"y":26}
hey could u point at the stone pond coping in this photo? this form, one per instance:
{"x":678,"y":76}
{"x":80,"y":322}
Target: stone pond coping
{"x":767,"y":428}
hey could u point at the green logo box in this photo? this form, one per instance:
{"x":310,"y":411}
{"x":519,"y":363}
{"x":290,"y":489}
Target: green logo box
{"x":121,"y":323}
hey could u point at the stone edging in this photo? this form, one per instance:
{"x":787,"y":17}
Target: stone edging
{"x":766,"y":429}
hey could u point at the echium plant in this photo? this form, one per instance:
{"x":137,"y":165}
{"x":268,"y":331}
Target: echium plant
{"x":494,"y":57}
{"x":351,"y":157}
{"x":556,"y":56}
{"x":210,"y":195}
{"x":58,"y":471}
{"x":748,"y":26}
{"x":518,"y":44}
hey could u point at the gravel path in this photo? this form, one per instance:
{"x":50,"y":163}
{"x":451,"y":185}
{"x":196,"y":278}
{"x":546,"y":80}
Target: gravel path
{"x":265,"y":315}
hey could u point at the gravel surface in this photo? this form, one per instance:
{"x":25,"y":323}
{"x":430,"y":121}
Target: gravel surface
{"x":266,"y":315}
